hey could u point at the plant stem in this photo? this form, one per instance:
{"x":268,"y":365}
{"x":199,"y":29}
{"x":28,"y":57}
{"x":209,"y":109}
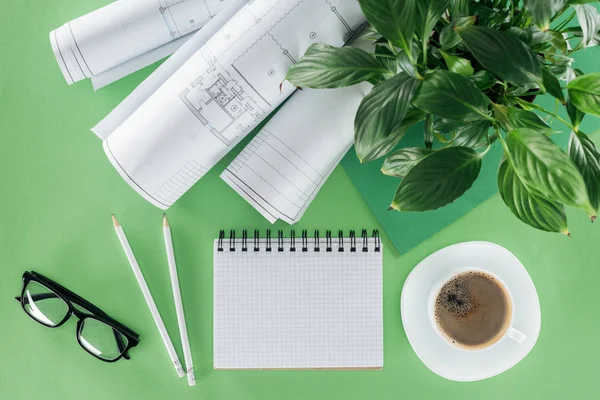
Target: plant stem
{"x":424,"y":54}
{"x":576,"y":48}
{"x":565,"y":22}
{"x":542,"y":109}
{"x":392,"y":47}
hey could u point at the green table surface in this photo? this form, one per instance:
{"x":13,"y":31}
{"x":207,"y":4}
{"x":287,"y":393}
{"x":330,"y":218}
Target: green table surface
{"x":58,"y":191}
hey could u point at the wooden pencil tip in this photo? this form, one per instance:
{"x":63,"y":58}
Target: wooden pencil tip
{"x":115,"y":221}
{"x":165,"y":221}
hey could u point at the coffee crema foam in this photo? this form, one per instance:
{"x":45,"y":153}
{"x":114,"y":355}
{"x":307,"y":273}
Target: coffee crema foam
{"x":472,"y":310}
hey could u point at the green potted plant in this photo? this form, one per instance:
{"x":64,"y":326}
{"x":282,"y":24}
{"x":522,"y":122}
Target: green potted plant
{"x":471,"y":70}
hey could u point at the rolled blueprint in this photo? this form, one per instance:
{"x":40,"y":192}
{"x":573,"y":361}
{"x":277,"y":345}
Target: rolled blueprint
{"x":164,"y":145}
{"x":283,"y":168}
{"x":126,"y":35}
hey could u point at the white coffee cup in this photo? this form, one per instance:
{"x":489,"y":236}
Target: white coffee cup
{"x":511,"y":332}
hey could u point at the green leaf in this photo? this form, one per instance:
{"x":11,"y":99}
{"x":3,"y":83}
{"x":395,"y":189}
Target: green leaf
{"x":519,"y":118}
{"x":368,"y":33}
{"x":589,"y":20}
{"x":448,"y":37}
{"x":401,"y":161}
{"x":575,"y":115}
{"x":526,"y":36}
{"x":585,"y":156}
{"x":380,"y":115}
{"x":459,"y":8}
{"x":451,"y":95}
{"x":428,"y":14}
{"x":552,"y":84}
{"x":542,"y":11}
{"x":405,"y":63}
{"x":325,"y":66}
{"x":584,"y":92}
{"x":428,"y":131}
{"x":483,"y":80}
{"x":394,"y":19}
{"x":540,"y":37}
{"x":460,"y":65}
{"x":503,"y":55}
{"x":438,"y":180}
{"x":576,"y":31}
{"x":445,"y":125}
{"x":528,"y":206}
{"x":387,"y":58}
{"x":546,"y":169}
{"x":472,"y":134}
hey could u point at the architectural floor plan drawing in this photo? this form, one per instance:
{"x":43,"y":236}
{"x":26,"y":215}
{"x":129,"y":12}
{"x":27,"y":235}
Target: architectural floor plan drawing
{"x":221,"y":92}
{"x":221,"y":104}
{"x":241,"y":83}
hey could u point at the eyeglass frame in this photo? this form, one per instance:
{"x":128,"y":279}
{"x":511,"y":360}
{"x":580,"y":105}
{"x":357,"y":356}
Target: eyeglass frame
{"x":94,"y":312}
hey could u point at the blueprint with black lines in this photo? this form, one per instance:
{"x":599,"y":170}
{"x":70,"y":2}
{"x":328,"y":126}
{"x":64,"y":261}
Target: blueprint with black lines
{"x":127,"y":35}
{"x":164,"y":140}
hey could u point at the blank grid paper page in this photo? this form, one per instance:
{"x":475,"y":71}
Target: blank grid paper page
{"x":297,"y":310}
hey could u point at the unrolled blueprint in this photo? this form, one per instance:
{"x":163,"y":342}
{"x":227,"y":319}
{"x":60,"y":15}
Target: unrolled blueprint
{"x":126,"y":35}
{"x":163,"y":144}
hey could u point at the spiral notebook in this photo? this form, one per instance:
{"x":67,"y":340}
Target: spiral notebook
{"x":298,"y":302}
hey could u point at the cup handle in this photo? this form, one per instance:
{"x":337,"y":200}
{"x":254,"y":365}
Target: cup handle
{"x":516,"y":335}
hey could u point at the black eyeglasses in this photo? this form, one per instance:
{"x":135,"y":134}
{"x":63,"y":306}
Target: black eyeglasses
{"x":52,"y":305}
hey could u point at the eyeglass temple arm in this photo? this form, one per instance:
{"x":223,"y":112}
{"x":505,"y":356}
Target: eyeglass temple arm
{"x":44,"y":296}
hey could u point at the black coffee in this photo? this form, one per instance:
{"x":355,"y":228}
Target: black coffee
{"x":473,"y":310}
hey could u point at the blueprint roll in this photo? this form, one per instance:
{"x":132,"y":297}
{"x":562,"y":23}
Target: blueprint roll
{"x":126,"y":35}
{"x":162,"y":141}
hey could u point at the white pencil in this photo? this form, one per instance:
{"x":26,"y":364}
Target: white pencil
{"x":148,"y":296}
{"x":187,"y":353}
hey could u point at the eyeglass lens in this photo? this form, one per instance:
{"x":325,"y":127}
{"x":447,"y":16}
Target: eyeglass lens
{"x":101,"y":340}
{"x":43,"y":305}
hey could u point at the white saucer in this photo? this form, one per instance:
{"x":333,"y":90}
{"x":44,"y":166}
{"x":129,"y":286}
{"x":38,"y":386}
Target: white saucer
{"x":436,"y":354}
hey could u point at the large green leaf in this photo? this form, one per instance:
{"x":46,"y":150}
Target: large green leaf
{"x":325,"y":66}
{"x":584,"y":92}
{"x":503,"y":55}
{"x":589,"y":20}
{"x":381,"y":114}
{"x":438,"y":180}
{"x":448,"y":37}
{"x":546,"y":169}
{"x":586,"y":158}
{"x":394,"y":19}
{"x":428,"y":14}
{"x":527,"y":205}
{"x":401,"y":161}
{"x":511,"y":118}
{"x":460,"y":65}
{"x":451,"y":95}
{"x":472,"y":134}
{"x":542,"y":11}
{"x":552,"y":84}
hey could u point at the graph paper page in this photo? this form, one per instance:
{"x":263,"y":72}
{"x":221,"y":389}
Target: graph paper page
{"x":298,"y":310}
